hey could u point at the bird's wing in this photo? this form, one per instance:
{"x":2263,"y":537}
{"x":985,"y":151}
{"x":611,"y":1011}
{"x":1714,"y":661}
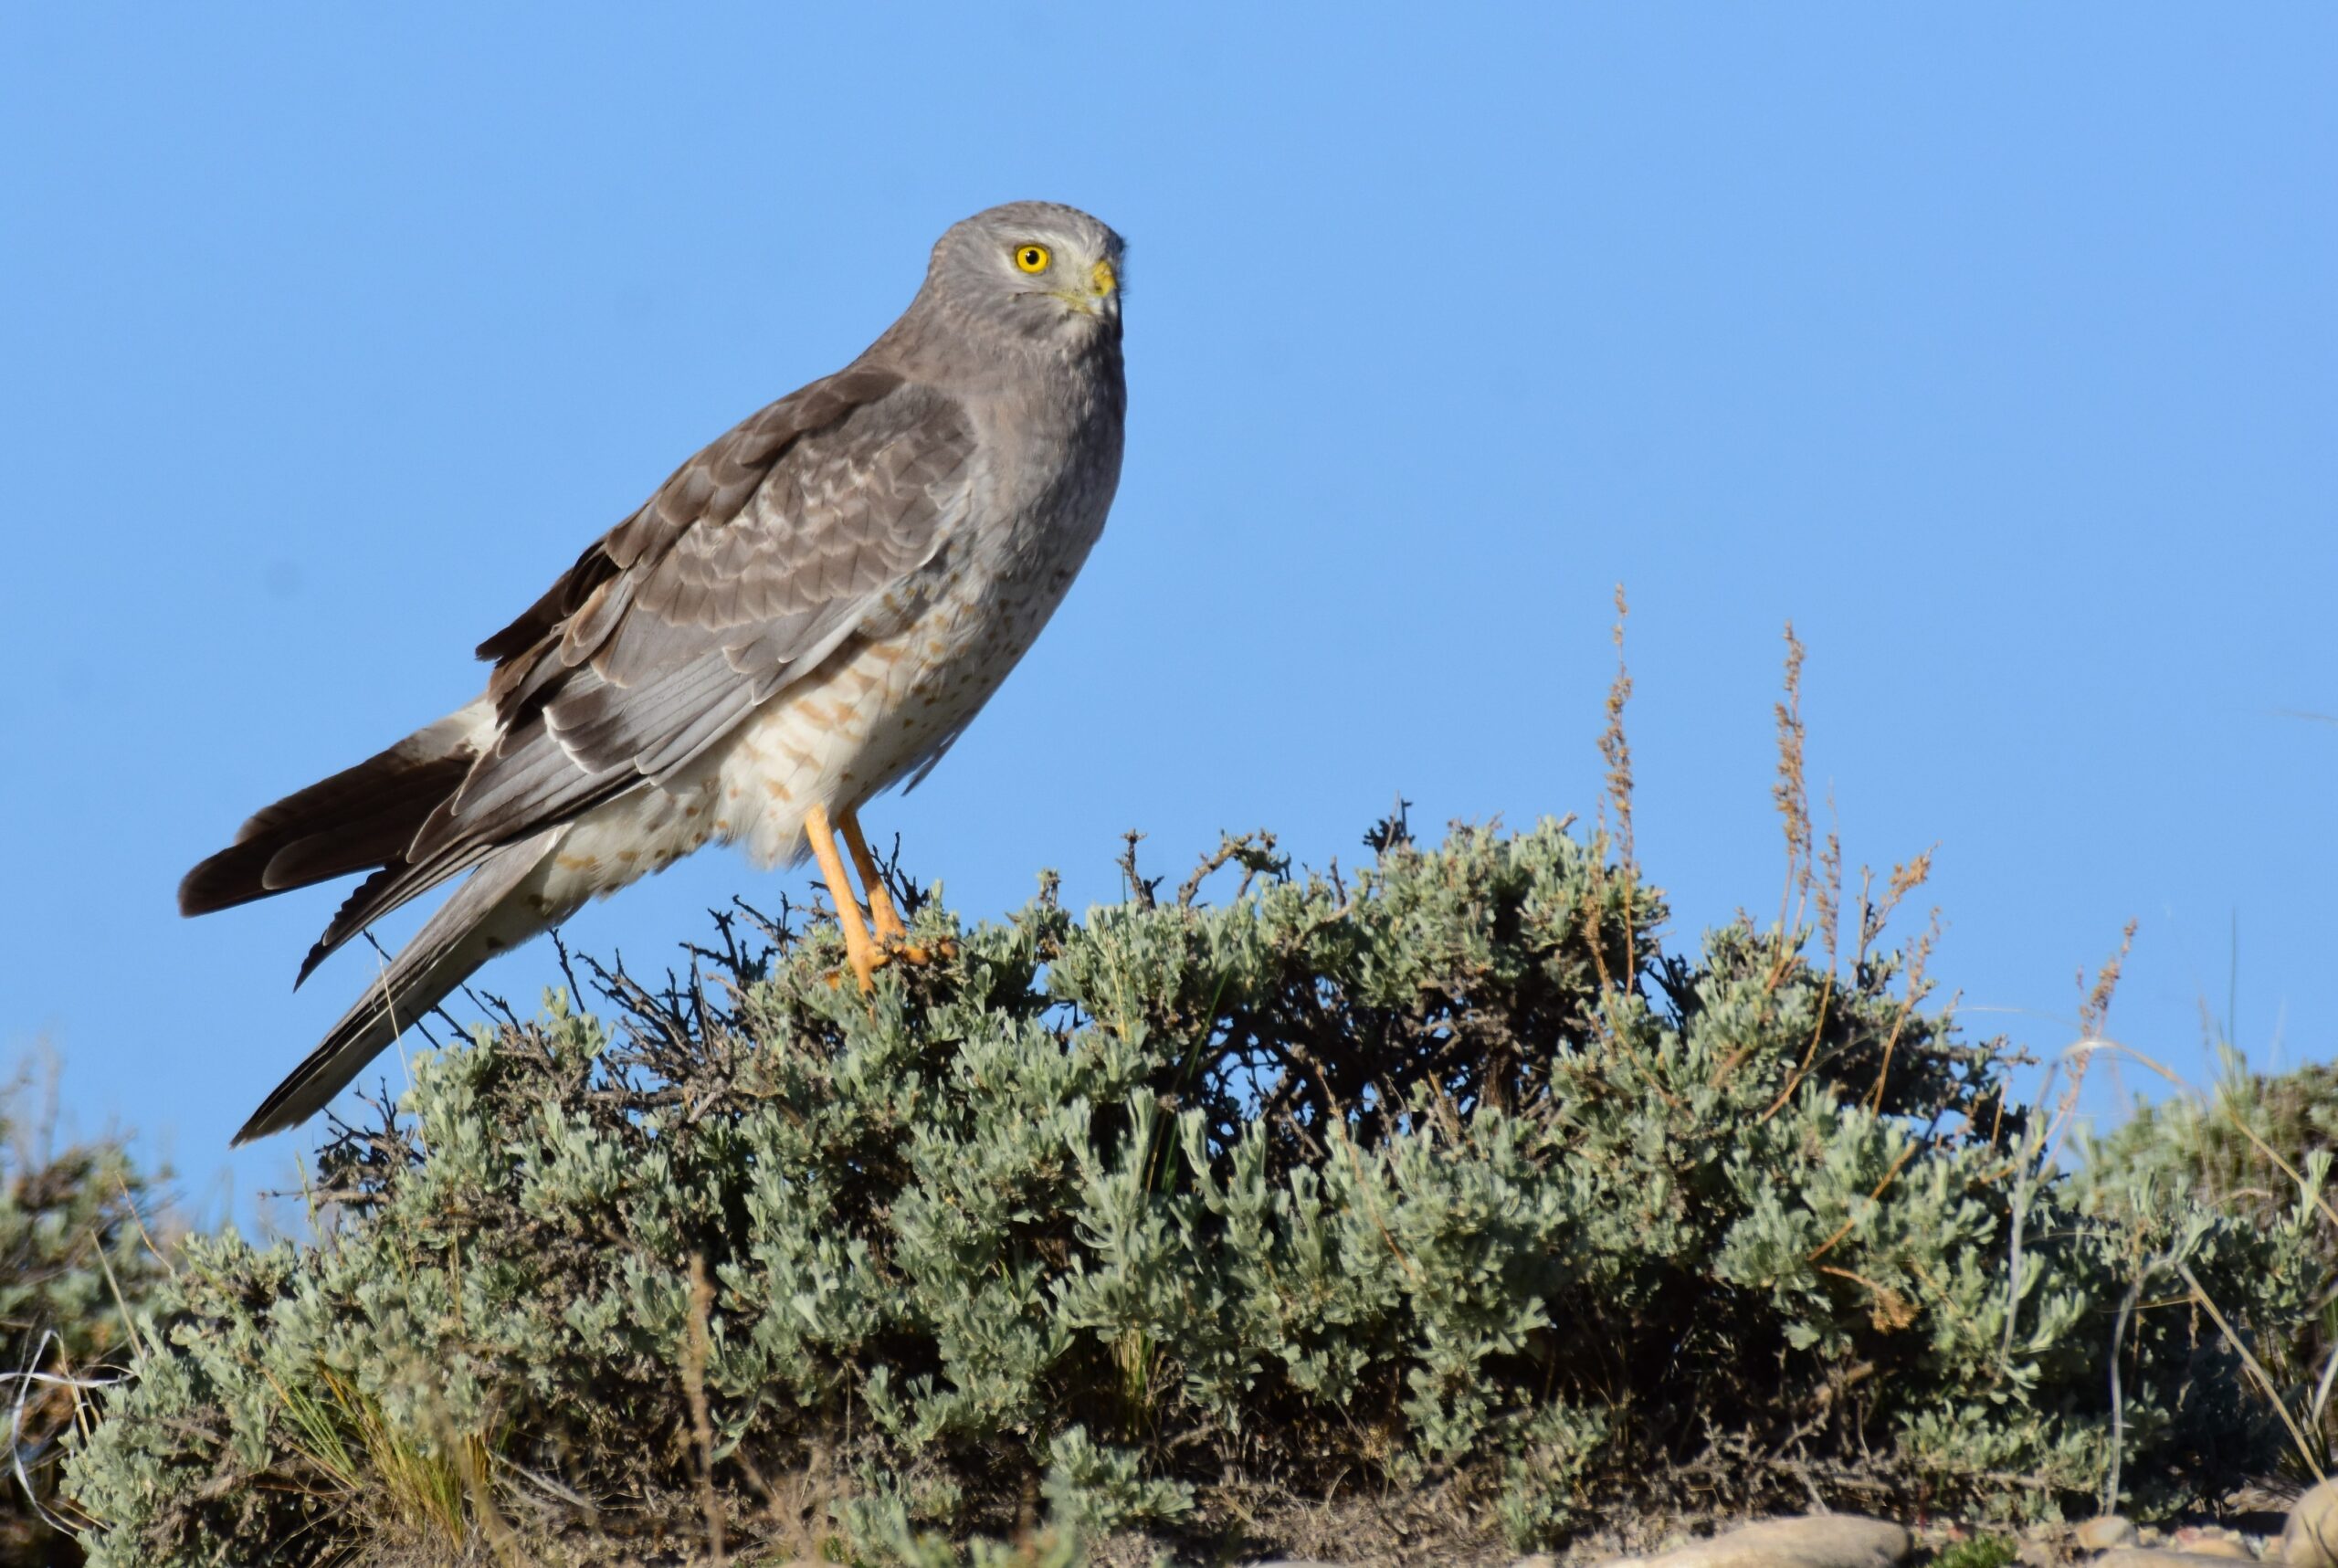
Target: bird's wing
{"x":740,"y":575}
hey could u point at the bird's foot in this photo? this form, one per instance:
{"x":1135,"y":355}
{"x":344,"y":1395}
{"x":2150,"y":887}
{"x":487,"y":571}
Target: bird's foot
{"x":882,"y":937}
{"x":914,"y":955}
{"x":918,"y":954}
{"x":892,"y":934}
{"x":863,"y":957}
{"x":862,"y":967}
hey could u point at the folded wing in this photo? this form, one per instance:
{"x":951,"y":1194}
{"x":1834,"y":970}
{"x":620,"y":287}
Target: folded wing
{"x":746,"y":569}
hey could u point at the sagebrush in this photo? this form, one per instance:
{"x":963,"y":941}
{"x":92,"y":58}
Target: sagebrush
{"x":77,"y":1259}
{"x":1448,"y":1174}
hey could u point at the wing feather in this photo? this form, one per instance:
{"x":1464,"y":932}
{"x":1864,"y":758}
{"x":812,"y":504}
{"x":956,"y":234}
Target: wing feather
{"x":752,"y":563}
{"x":746,"y":569}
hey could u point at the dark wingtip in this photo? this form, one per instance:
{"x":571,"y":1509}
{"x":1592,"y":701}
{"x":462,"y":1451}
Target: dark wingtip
{"x":272,"y":1115}
{"x":263,"y":1123}
{"x":295,"y":1099}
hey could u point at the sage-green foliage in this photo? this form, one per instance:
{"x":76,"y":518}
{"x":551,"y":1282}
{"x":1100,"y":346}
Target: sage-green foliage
{"x":2249,"y":1147}
{"x":2229,"y":1144}
{"x":1977,"y":1552}
{"x":1443,"y":1176}
{"x":75,"y":1262}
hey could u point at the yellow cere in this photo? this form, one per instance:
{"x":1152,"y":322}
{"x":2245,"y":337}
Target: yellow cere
{"x":1031,"y":257}
{"x":1103,"y":276}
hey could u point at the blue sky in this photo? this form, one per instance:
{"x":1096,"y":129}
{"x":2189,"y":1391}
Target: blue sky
{"x":1994,"y":346}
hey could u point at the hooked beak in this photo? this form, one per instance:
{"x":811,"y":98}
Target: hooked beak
{"x":1102,"y":295}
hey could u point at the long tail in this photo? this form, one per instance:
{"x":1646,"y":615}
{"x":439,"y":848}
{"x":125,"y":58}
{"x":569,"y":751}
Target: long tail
{"x":501,"y":905}
{"x":361,"y":817}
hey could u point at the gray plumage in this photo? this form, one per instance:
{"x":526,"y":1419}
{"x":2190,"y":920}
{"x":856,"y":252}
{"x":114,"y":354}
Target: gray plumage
{"x":805,"y":613}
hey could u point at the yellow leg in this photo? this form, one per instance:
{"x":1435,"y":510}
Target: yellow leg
{"x":881,"y":913}
{"x":858,"y":951}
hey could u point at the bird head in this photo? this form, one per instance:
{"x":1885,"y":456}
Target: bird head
{"x":1033,"y":269}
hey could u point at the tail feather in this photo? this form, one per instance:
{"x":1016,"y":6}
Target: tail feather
{"x":359,"y":818}
{"x":490,"y":913}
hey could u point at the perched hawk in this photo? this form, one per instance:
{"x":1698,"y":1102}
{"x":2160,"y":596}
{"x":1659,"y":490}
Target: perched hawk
{"x":806,"y":613}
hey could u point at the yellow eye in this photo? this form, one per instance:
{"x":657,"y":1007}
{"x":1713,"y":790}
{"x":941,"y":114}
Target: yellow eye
{"x":1031,"y":257}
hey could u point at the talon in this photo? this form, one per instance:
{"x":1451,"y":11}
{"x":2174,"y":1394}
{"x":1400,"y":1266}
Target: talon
{"x":866,"y":950}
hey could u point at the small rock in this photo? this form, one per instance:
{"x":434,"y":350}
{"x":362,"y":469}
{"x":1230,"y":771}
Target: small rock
{"x":2156,"y":1557}
{"x":1817,"y":1540}
{"x":2203,"y":1542}
{"x":2311,"y":1541}
{"x":2107,"y":1533}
